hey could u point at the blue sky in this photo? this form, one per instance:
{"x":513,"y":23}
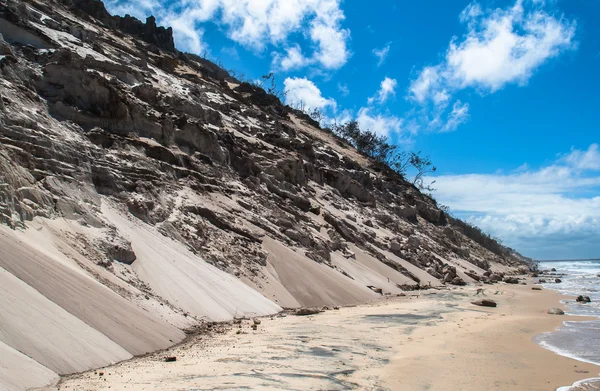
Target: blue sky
{"x":503,"y":95}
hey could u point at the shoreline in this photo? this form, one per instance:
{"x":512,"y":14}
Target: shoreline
{"x":438,"y":341}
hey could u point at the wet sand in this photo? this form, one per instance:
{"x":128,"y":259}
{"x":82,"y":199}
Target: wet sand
{"x":438,"y":341}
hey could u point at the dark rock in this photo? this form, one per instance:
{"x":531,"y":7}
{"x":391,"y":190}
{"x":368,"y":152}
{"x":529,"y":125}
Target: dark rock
{"x":511,"y":280}
{"x":485,"y":303}
{"x":494,"y":277}
{"x":307,"y":311}
{"x":556,"y":311}
{"x":375,"y":289}
{"x":536,"y":288}
{"x":557,"y":280}
{"x":583,"y":299}
{"x":458,"y":281}
{"x":170,"y":359}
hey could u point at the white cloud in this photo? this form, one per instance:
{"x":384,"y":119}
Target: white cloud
{"x":552,"y":204}
{"x":294,"y":59}
{"x":428,"y":80}
{"x":305,"y":94}
{"x":254,"y":24}
{"x":584,"y":160}
{"x":343,"y":89}
{"x":381,"y":124}
{"x":500,"y":47}
{"x":382,"y":54}
{"x":387,"y":89}
{"x":458,"y":115}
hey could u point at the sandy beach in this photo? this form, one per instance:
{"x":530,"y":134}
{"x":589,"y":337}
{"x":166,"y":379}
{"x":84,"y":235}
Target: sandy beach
{"x":437,"y":341}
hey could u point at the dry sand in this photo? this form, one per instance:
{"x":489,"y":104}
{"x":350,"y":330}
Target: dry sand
{"x":438,"y":341}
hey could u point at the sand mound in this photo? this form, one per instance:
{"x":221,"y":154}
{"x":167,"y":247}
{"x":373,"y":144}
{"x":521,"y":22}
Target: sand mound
{"x":184,"y":279}
{"x":85,"y":298}
{"x":313,"y":284}
{"x":17,"y":371}
{"x":44,"y":331}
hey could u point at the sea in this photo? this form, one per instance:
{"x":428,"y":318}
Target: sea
{"x":576,"y":339}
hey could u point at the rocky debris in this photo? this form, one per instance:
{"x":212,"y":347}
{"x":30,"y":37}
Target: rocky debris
{"x":536,"y":288}
{"x":541,"y":281}
{"x":170,"y":359}
{"x":304,"y":311}
{"x":485,"y":303}
{"x":583,"y":299}
{"x":556,"y":311}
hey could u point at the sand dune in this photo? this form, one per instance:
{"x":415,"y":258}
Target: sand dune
{"x":17,"y":371}
{"x":120,"y":320}
{"x":378,"y":266}
{"x":425,"y":277}
{"x":42,"y":330}
{"x":184,"y":279}
{"x":313,"y":284}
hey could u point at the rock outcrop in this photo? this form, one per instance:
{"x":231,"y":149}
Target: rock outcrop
{"x":177,"y":194}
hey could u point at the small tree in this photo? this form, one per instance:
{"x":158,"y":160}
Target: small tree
{"x":423,"y":166}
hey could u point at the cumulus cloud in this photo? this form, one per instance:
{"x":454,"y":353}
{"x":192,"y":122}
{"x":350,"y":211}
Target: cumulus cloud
{"x":382,"y":54}
{"x":381,"y":124}
{"x":386,"y":89}
{"x":500,"y":47}
{"x":254,"y":24}
{"x":558,"y":202}
{"x":293,"y":59}
{"x":584,"y":160}
{"x":301,"y":92}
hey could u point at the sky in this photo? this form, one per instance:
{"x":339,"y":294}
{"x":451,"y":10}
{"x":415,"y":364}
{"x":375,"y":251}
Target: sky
{"x":504,"y":96}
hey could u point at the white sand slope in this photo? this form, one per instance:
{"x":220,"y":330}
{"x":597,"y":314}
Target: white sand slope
{"x":426,"y":278}
{"x":17,"y":371}
{"x":381,"y":268}
{"x":42,"y":330}
{"x":313,"y":284}
{"x":183,"y":278}
{"x":134,"y":329}
{"x":363,"y":274}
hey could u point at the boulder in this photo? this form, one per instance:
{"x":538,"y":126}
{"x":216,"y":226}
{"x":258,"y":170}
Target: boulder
{"x":458,"y":281}
{"x":485,"y":303}
{"x":583,"y":299}
{"x":307,"y":311}
{"x":556,"y":311}
{"x":511,"y":280}
{"x":5,"y":48}
{"x":557,"y":280}
{"x":407,"y":212}
{"x":414,"y":241}
{"x":536,"y":288}
{"x":495,"y":277}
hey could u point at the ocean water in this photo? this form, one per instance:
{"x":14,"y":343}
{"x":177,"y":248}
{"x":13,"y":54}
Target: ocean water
{"x":576,"y":339}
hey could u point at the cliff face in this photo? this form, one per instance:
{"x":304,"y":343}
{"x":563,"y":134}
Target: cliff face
{"x":153,"y":177}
